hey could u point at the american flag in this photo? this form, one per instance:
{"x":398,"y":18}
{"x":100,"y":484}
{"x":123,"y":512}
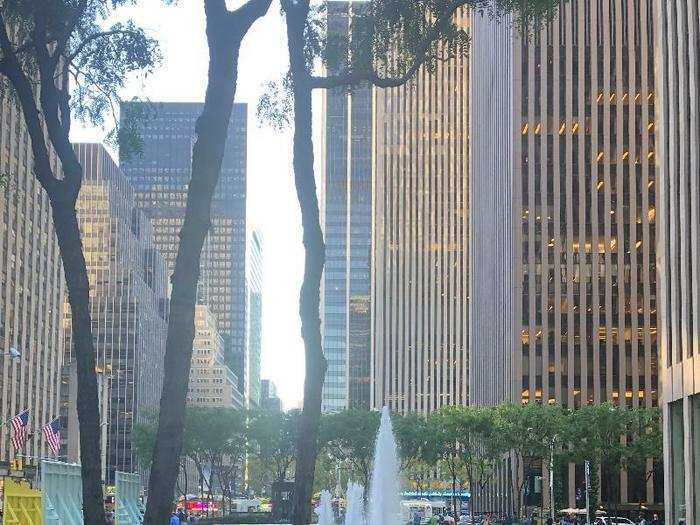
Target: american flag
{"x":19,"y":429}
{"x":52,"y":433}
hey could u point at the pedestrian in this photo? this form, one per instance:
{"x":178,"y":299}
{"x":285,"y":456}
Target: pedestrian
{"x":182,"y":516}
{"x":174,"y":519}
{"x":655,"y":520}
{"x":643,"y":519}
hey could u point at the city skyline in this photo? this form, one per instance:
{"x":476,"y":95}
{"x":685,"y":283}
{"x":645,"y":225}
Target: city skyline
{"x":496,"y":272}
{"x":273,"y":213}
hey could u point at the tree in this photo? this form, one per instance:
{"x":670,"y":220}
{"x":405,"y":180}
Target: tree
{"x":349,"y":437}
{"x":446,"y":447}
{"x":273,"y":435}
{"x":462,"y":441}
{"x":412,"y":437}
{"x":482,"y":446}
{"x":389,"y":41}
{"x":50,"y":48}
{"x":527,"y":432}
{"x":225,"y":32}
{"x":613,"y":438}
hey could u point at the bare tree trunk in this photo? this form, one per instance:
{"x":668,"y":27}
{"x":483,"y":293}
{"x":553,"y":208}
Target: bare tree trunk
{"x":225,"y":31}
{"x":75,"y":271}
{"x":309,"y":302}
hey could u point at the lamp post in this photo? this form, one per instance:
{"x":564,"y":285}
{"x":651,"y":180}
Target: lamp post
{"x":551,"y":476}
{"x":588,"y":489}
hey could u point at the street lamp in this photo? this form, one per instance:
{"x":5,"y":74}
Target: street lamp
{"x":551,"y":476}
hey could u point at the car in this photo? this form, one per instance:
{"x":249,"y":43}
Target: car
{"x":607,"y":520}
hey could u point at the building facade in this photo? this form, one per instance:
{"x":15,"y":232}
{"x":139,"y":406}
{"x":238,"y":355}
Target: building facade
{"x":212,"y":382}
{"x":563,"y":217}
{"x":678,"y":82}
{"x":347,"y":220}
{"x":254,"y":292}
{"x":269,"y":400}
{"x":31,"y":291}
{"x":128,"y":302}
{"x":160,"y":176}
{"x":419,"y":274}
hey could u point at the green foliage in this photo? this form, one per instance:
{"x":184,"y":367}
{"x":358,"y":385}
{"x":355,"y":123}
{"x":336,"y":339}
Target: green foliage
{"x":391,"y":36}
{"x":215,"y":438}
{"x":348,"y":437}
{"x":529,"y":429}
{"x":144,"y":442}
{"x":273,"y":437}
{"x":73,"y":42}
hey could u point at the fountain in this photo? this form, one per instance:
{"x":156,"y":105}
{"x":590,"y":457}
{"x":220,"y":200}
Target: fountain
{"x":384,"y":501}
{"x":354,"y":510}
{"x":325,"y":510}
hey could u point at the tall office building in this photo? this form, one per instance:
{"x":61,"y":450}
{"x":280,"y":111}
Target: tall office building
{"x":419,"y":299}
{"x":160,"y":176}
{"x":254,"y":285}
{"x":563,"y":217}
{"x":128,"y":301}
{"x":678,"y":83}
{"x":31,"y":290}
{"x":347,"y":219}
{"x":212,"y":383}
{"x":269,"y":400}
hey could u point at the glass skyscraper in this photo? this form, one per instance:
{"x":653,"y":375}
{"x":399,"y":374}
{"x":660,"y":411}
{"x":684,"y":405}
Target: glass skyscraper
{"x":347,"y":189}
{"x":254,"y":319}
{"x":160,"y":176}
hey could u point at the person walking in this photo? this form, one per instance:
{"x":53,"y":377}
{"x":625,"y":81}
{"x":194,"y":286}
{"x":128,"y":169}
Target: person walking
{"x":174,"y":519}
{"x":655,"y":520}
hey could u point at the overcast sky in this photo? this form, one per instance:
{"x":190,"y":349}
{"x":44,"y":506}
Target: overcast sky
{"x":272,"y":204}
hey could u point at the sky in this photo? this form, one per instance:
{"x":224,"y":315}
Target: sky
{"x":271,"y":199}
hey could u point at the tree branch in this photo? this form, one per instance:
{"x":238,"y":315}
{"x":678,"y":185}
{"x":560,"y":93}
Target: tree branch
{"x":375,"y":78}
{"x":62,"y":42}
{"x":97,"y":36}
{"x":50,"y":104}
{"x":249,"y":12}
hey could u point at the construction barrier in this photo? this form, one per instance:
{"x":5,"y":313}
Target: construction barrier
{"x":127,"y":504}
{"x":22,"y":504}
{"x":62,"y":493}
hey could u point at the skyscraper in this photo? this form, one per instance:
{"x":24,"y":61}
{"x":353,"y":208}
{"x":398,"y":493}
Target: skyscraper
{"x":347,"y":219}
{"x":128,"y":301}
{"x":254,"y":285}
{"x":419,"y":299}
{"x":160,"y":176}
{"x":563,"y":217}
{"x":212,"y":383}
{"x":679,"y":260}
{"x":31,"y":290}
{"x":269,"y":400}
